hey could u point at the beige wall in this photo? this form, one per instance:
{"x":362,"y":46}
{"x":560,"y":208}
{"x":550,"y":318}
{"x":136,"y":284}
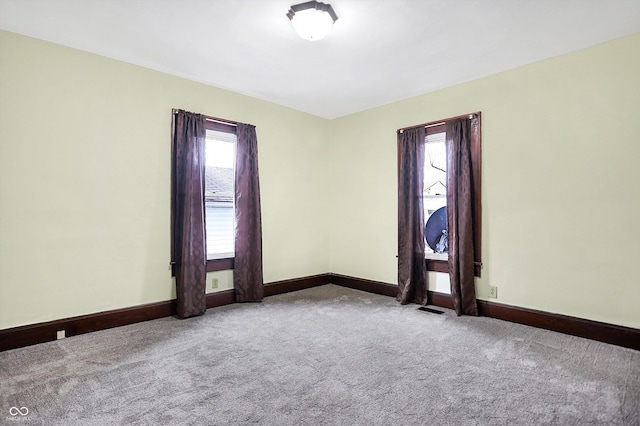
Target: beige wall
{"x":560,"y":183}
{"x":84,"y":182}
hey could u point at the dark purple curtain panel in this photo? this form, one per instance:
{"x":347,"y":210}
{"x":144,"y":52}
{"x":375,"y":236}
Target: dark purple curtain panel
{"x":247,"y":272}
{"x":460,"y":216}
{"x":412,"y":271}
{"x":188,"y":224}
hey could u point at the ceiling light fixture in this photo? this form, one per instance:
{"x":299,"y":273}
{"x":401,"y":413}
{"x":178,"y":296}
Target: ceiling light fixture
{"x":312,"y":20}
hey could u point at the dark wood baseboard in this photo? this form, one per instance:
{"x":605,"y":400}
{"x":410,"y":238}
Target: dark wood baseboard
{"x":442,"y":300}
{"x":295,"y":284}
{"x":594,"y":330}
{"x":17,"y":337}
{"x":32,"y":334}
{"x":221,"y":298}
{"x":603,"y":332}
{"x":27,"y":335}
{"x":370,"y":286}
{"x":438,"y":299}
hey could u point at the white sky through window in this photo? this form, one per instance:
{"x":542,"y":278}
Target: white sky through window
{"x":220,"y":153}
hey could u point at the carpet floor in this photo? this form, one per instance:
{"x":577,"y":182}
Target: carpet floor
{"x":323,"y":356}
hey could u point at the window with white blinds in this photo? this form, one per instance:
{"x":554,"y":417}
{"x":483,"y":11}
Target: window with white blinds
{"x":219,"y":194}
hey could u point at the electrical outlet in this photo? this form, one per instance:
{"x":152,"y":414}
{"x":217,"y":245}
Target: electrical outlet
{"x":214,"y":283}
{"x":61,"y":334}
{"x":493,"y":292}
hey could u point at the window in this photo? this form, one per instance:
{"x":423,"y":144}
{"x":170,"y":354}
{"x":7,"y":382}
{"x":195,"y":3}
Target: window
{"x":435,"y":190}
{"x":219,"y":194}
{"x":220,"y":160}
{"x":435,"y":187}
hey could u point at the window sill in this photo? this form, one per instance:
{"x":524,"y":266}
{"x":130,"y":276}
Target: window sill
{"x":220,"y":264}
{"x":437,"y":265}
{"x":213,"y":265}
{"x":436,"y":256}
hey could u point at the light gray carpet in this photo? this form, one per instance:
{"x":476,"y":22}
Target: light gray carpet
{"x":327,"y":355}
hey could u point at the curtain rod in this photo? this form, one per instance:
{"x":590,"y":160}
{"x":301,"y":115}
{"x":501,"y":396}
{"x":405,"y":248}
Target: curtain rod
{"x":221,"y":121}
{"x":214,"y":119}
{"x":435,"y":123}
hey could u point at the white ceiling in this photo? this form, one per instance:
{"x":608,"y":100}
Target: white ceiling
{"x":379,"y":51}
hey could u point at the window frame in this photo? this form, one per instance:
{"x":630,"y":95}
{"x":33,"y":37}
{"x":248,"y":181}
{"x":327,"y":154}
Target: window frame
{"x":437,"y":265}
{"x":432,"y":130}
{"x":225,"y":263}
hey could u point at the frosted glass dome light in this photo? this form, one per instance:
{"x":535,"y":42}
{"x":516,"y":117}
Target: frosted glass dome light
{"x":312,"y":20}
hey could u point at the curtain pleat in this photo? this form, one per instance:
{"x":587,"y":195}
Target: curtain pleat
{"x":460,"y":216}
{"x":188,"y":225}
{"x":247,"y":273}
{"x":412,"y":271}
